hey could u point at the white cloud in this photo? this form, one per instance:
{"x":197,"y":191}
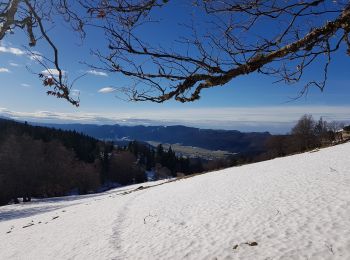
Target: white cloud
{"x":25,"y":85}
{"x":97,"y":73}
{"x":14,"y":64}
{"x":4,"y":70}
{"x":75,"y":92}
{"x":106,"y":90}
{"x":52,"y":72}
{"x":35,"y":55}
{"x":12,"y":50}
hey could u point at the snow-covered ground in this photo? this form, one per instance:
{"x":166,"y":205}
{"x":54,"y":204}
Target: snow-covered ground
{"x":296,"y":207}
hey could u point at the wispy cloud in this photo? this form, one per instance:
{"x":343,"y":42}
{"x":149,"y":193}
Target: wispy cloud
{"x":14,"y":64}
{"x":97,"y":73}
{"x":52,"y":72}
{"x":35,"y":56}
{"x":273,"y":119}
{"x":4,"y":70}
{"x":75,"y":92}
{"x":25,"y":85}
{"x":106,"y":90}
{"x":12,"y":50}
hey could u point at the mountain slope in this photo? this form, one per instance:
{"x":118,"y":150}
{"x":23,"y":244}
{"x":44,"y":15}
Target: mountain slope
{"x":226,"y":140}
{"x":296,"y":207}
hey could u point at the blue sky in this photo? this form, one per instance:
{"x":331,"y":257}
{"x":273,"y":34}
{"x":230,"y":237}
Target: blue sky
{"x":246,"y":103}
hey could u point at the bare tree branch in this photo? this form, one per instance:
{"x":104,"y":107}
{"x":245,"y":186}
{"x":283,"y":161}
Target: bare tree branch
{"x":231,"y":39}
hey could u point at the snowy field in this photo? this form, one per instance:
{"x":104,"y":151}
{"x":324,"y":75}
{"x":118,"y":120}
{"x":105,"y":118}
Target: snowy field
{"x":296,"y":207}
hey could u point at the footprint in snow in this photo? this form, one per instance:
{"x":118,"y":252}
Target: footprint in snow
{"x":8,"y":232}
{"x":332,"y":170}
{"x":246,"y":243}
{"x":28,"y":225}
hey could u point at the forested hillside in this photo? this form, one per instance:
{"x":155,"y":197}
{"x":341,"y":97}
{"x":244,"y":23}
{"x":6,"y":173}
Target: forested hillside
{"x":38,"y":161}
{"x":43,"y":162}
{"x":85,"y":147}
{"x":226,"y":140}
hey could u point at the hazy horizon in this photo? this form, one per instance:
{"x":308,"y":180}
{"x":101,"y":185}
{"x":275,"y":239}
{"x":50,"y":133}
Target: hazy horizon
{"x":275,"y":120}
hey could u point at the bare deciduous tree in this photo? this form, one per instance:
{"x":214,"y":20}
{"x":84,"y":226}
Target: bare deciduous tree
{"x":234,"y":38}
{"x":304,"y":133}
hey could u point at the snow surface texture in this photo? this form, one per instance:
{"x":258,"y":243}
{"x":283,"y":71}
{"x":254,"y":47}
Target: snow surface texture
{"x":296,"y":207}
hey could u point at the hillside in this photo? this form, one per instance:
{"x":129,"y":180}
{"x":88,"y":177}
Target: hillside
{"x":43,"y":162}
{"x":296,"y":207}
{"x":225,"y":140}
{"x":84,"y":146}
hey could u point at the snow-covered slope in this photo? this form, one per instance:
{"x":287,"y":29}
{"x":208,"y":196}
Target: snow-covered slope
{"x":296,"y":207}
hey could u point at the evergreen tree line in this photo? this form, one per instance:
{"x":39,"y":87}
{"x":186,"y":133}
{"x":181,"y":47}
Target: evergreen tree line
{"x":43,"y":162}
{"x":85,"y":147}
{"x":153,"y":159}
{"x":166,"y":163}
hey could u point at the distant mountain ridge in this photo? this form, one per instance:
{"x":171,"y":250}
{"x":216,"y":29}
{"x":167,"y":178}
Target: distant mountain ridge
{"x":228,"y":140}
